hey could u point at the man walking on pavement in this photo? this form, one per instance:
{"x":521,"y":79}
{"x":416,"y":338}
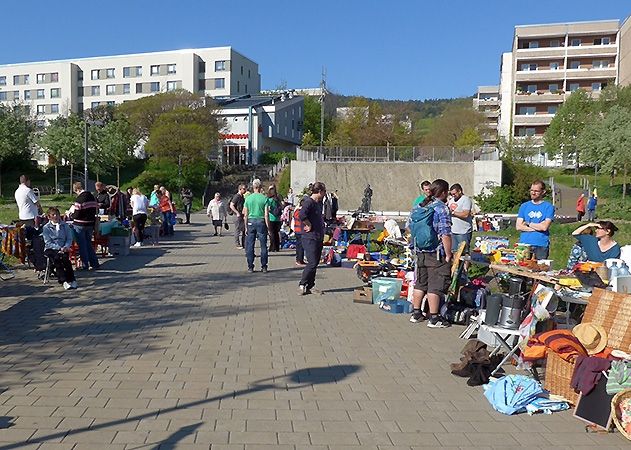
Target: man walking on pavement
{"x":256,"y":218}
{"x":312,"y":236}
{"x":187,"y":201}
{"x":236,"y":206}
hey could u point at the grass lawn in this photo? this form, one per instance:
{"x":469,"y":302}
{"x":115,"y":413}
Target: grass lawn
{"x":9,"y":210}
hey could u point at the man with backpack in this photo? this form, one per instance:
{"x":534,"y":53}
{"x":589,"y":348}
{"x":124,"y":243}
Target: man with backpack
{"x":312,"y":236}
{"x":430,"y":227}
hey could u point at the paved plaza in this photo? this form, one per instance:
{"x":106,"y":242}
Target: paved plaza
{"x":176,"y":346}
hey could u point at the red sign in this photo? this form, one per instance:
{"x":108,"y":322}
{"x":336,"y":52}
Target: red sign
{"x":234,"y":136}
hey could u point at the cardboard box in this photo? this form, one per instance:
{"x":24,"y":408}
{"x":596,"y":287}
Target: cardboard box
{"x":363,"y":295}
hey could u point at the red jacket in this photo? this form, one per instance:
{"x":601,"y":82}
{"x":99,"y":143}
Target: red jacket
{"x":297,"y":222}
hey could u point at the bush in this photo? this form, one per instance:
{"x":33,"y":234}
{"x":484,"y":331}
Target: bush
{"x":498,"y":200}
{"x":165,"y":173}
{"x":275,"y":157}
{"x":285,"y":181}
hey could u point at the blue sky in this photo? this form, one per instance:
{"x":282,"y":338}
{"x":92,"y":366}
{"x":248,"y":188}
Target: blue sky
{"x":383,"y":49}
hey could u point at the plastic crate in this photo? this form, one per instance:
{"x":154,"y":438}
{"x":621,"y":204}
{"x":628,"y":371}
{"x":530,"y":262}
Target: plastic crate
{"x":119,"y":245}
{"x":386,"y":289}
{"x":397,"y":306}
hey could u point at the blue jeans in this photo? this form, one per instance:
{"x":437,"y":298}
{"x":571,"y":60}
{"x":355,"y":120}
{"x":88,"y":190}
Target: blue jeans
{"x":84,"y":240}
{"x":456,"y":239}
{"x":313,"y":252}
{"x":256,"y":229}
{"x":540,"y":252}
{"x":167,"y":228}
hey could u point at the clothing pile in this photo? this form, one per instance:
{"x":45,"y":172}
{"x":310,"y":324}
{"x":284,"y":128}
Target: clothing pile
{"x":476,"y":363}
{"x":514,"y":394}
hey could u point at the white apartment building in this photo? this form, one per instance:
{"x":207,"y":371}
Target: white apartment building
{"x":487,"y":102}
{"x":51,"y":88}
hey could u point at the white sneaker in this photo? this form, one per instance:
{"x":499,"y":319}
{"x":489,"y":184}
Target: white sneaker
{"x":67,"y":285}
{"x":74,"y":285}
{"x":138,"y":244}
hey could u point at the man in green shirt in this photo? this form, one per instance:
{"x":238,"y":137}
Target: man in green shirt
{"x":256,"y":218}
{"x":425,"y":192}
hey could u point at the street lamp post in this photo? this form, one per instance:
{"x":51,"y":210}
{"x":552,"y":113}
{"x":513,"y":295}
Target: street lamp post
{"x":85,"y":150}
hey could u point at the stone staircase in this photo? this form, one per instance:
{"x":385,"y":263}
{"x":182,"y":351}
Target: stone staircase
{"x":227,"y":178}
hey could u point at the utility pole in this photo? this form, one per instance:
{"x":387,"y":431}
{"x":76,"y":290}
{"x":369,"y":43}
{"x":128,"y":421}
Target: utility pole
{"x":322,"y":95}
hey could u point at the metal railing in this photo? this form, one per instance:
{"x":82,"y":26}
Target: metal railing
{"x":397,"y":154}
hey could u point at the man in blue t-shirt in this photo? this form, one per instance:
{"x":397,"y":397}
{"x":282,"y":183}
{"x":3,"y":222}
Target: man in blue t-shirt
{"x":534,"y":220}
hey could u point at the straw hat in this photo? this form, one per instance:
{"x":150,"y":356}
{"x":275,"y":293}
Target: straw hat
{"x":592,"y":336}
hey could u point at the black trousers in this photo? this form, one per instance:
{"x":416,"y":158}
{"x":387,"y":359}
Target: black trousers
{"x":62,"y":264}
{"x":187,"y":212}
{"x":274,"y":236}
{"x":139,"y":226}
{"x":313,"y":252}
{"x":300,"y":251}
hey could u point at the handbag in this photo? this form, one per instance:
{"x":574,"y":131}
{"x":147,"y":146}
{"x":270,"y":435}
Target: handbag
{"x":226,"y":226}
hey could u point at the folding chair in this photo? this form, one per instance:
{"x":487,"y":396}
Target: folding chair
{"x":6,"y":273}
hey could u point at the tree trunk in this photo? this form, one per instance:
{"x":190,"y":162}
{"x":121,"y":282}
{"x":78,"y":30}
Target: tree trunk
{"x":56,"y":180}
{"x":97,"y":177}
{"x":575,"y":167}
{"x":624,"y":183}
{"x":118,"y":176}
{"x":0,"y":179}
{"x":71,"y":172}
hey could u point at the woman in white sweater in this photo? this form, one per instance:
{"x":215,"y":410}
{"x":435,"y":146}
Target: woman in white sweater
{"x":217,"y":213}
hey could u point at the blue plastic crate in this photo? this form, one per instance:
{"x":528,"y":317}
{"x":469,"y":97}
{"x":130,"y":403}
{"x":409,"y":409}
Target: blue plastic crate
{"x":386,"y":289}
{"x":397,"y":306}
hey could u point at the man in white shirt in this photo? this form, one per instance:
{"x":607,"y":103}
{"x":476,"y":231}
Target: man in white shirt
{"x":28,"y":204}
{"x":460,"y":206}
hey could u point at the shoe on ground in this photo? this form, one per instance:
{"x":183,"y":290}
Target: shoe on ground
{"x":74,"y":285}
{"x":302,"y":290}
{"x":250,"y":269}
{"x":215,"y":234}
{"x":264,"y":269}
{"x":300,"y":264}
{"x":67,"y":285}
{"x":138,"y":244}
{"x":438,"y":322}
{"x":95,"y":267}
{"x":239,"y":247}
{"x":417,"y":317}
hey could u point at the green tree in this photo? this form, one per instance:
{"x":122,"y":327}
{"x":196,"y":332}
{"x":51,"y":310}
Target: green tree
{"x":16,"y":128}
{"x":114,"y":146}
{"x":447,"y":128}
{"x":312,"y":120}
{"x":468,"y":139}
{"x":64,"y":141}
{"x":566,"y":126}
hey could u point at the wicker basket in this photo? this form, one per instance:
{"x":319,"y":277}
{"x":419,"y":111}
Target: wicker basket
{"x":612,"y":311}
{"x":558,"y":377}
{"x":615,"y":401}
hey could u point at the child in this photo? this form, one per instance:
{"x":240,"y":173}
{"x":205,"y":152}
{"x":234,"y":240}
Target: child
{"x":57,"y":242}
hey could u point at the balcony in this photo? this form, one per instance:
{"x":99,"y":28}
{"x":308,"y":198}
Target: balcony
{"x":582,"y":74}
{"x":538,"y":75}
{"x":534,"y":53}
{"x":491,"y":114}
{"x":533,"y":120}
{"x":595,"y":50}
{"x":547,"y":97}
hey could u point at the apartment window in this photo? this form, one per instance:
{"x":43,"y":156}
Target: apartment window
{"x":40,"y":93}
{"x":110,"y":89}
{"x":526,"y":132}
{"x":40,"y":123}
{"x":220,"y":66}
{"x":138,"y":71}
{"x":171,"y":85}
{"x":552,"y":109}
{"x":3,"y":96}
{"x":54,"y":77}
{"x":248,"y":76}
{"x":528,"y":66}
{"x":246,"y":88}
{"x":575,"y":43}
{"x":238,"y":86}
{"x":155,"y":70}
{"x":110,"y":73}
{"x":554,"y":66}
{"x":54,"y":109}
{"x":3,"y":81}
{"x":527,"y":110}
{"x":80,"y":107}
{"x":16,"y":79}
{"x":601,"y":41}
{"x":201,"y":67}
{"x":575,"y":64}
{"x":80,"y":75}
{"x":111,"y":103}
{"x":241,"y":70}
{"x":27,"y":95}
{"x":138,"y":88}
{"x":600,"y":64}
{"x":155,"y":86}
{"x":171,"y":69}
{"x":54,"y":93}
{"x":553,"y":88}
{"x":597,"y":86}
{"x":533,"y":44}
{"x":40,"y":78}
{"x":16,"y":95}
{"x":26,"y":79}
{"x":555,"y":43}
{"x":80,"y":91}
{"x":574,"y":87}
{"x":41,"y":109}
{"x":126,"y":88}
{"x":126,"y":72}
{"x":96,"y":90}
{"x":94,"y":74}
{"x":606,"y":41}
{"x":220,"y":83}
{"x":532,"y":88}
{"x":94,"y":105}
